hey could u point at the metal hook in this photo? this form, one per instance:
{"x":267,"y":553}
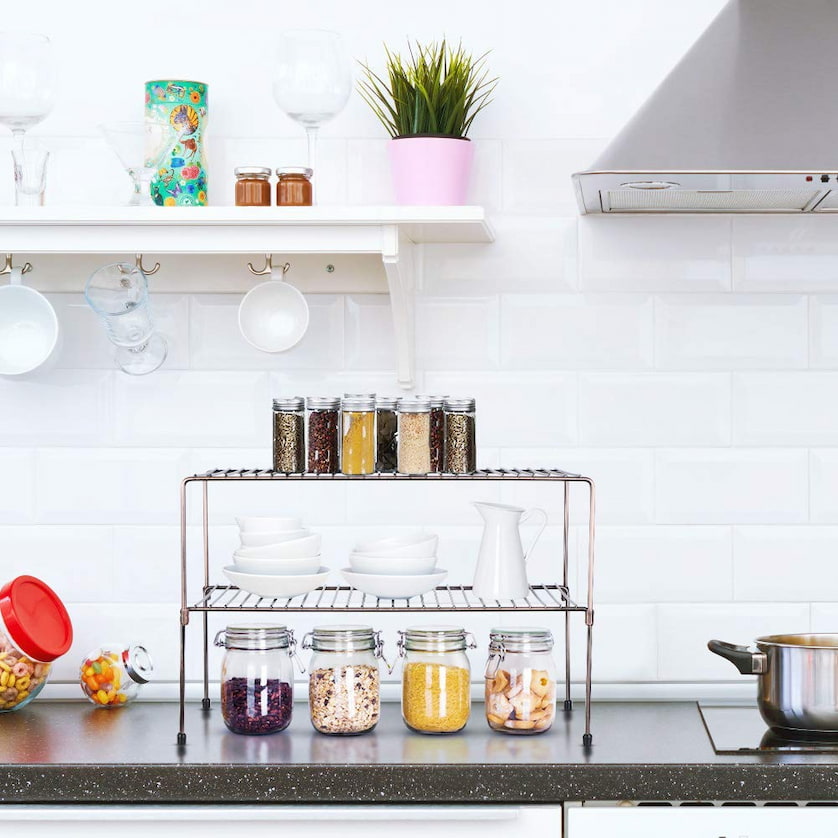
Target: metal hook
{"x":27,"y":266}
{"x":138,"y":261}
{"x":269,"y":265}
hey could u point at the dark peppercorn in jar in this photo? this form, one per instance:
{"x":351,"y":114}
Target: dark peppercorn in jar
{"x":323,"y":434}
{"x":437,"y":430}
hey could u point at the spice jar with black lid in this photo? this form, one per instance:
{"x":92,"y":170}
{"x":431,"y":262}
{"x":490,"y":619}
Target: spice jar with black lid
{"x":386,"y":433}
{"x":460,"y":441}
{"x":289,"y":435}
{"x":437,"y":430}
{"x":323,"y":434}
{"x":414,"y":436}
{"x":253,"y":186}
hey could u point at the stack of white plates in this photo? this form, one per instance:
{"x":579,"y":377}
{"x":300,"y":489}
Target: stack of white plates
{"x":395,"y":568}
{"x":278,"y":557}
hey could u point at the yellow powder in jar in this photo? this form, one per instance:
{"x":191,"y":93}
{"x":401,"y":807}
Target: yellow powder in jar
{"x":435,"y":698}
{"x":357,"y":454}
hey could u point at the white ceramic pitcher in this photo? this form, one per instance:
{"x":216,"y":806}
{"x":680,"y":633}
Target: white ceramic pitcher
{"x":501,"y":563}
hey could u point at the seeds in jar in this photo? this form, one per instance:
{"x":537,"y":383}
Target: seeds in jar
{"x":460,"y":453}
{"x":522,"y":701}
{"x":345,"y":699}
{"x":414,"y":443}
{"x":323,"y":441}
{"x":289,"y":442}
{"x":435,"y":697}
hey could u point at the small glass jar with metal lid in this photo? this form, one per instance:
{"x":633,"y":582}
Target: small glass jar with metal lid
{"x":357,"y":454}
{"x":414,"y":436}
{"x":437,"y":430}
{"x":253,"y":186}
{"x":289,"y":435}
{"x":436,"y":678}
{"x":344,"y":684}
{"x":460,"y":438}
{"x":293,"y":187}
{"x":323,"y":434}
{"x":386,"y":433}
{"x":257,"y":677}
{"x":520,"y":680}
{"x":113,"y":674}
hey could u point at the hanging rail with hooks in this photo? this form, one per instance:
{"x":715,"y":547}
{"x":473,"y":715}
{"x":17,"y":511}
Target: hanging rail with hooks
{"x":269,"y":266}
{"x":8,"y":268}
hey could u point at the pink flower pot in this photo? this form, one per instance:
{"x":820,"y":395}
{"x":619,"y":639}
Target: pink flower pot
{"x":434,"y":171}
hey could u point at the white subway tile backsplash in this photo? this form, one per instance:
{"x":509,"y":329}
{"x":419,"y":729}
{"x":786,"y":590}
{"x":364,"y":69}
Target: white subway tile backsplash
{"x":824,"y":617}
{"x":685,"y":629}
{"x":785,"y":408}
{"x":730,"y":486}
{"x":370,"y":341}
{"x":607,"y":331}
{"x":457,"y":334}
{"x":17,"y":486}
{"x":808,"y":552}
{"x":651,"y":564}
{"x":823,"y":485}
{"x":823,"y":331}
{"x":193,"y":409}
{"x":654,"y":409}
{"x":665,"y":253}
{"x":723,"y":332}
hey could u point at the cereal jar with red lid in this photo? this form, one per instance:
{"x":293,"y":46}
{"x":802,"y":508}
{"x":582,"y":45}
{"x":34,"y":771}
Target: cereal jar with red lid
{"x":35,"y":629}
{"x":112,"y":675}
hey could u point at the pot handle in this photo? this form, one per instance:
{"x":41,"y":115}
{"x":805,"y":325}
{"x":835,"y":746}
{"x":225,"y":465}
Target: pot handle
{"x":746,"y":661}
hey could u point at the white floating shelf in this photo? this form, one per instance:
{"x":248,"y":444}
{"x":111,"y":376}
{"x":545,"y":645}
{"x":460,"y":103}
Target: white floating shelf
{"x":387,"y":232}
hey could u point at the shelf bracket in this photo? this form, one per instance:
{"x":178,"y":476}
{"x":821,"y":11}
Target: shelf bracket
{"x":397,"y":254}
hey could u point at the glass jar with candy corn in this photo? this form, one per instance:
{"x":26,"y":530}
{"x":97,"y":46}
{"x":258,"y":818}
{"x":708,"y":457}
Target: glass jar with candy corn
{"x":112,"y":675}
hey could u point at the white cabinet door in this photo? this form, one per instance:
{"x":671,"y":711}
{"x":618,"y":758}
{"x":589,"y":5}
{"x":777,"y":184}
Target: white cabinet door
{"x":381,"y":821}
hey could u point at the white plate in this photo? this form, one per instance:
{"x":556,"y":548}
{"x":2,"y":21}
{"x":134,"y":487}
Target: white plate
{"x":394,"y":587}
{"x":299,"y":548}
{"x":264,"y":539}
{"x":392,"y":565}
{"x":269,"y":524}
{"x":424,"y":545}
{"x":276,"y":567}
{"x":277,"y":586}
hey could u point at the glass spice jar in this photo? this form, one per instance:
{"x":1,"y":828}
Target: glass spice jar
{"x":520,"y":680}
{"x":323,"y":436}
{"x":344,"y":683}
{"x":386,"y":433}
{"x":112,"y":675}
{"x":460,"y":443}
{"x":289,"y":435}
{"x":257,"y":677}
{"x":436,"y":678}
{"x":253,"y":186}
{"x":357,"y":453}
{"x":293,"y":187}
{"x":437,"y":430}
{"x":414,"y":436}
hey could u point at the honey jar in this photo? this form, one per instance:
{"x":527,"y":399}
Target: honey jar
{"x":253,"y":186}
{"x":293,"y":187}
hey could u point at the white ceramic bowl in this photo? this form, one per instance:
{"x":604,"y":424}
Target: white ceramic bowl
{"x":401,"y":546}
{"x":299,"y":548}
{"x":273,"y":316}
{"x":263,"y":539}
{"x":277,"y":586}
{"x":29,"y":330}
{"x":257,"y":524}
{"x":276,"y":567}
{"x":392,"y":565}
{"x":394,"y":587}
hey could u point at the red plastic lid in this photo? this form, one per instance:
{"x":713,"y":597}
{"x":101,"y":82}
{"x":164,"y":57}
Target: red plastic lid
{"x":36,"y":618}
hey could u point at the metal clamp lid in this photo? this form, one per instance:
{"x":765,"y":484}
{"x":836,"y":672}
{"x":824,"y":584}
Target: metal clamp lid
{"x":137,"y":663}
{"x":435,"y":639}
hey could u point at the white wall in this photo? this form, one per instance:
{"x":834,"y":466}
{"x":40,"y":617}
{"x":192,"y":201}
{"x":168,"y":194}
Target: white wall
{"x":689,"y":365}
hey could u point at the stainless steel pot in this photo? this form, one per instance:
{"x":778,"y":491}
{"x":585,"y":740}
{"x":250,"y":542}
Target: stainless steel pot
{"x":798,"y":680}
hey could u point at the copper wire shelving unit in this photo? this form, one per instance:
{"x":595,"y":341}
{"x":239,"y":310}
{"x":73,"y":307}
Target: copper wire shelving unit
{"x":542,"y":597}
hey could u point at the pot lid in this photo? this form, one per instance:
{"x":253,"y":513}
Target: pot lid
{"x":37,"y":621}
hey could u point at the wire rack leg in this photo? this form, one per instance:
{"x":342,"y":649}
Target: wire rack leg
{"x":205,"y":703}
{"x":587,"y":738}
{"x":568,"y":704}
{"x":181,"y":737}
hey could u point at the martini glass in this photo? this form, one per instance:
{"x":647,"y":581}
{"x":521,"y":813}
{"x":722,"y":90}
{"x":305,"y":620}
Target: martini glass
{"x":140,"y":147}
{"x":312,"y":81}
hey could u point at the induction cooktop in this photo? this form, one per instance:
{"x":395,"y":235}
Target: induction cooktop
{"x":740,"y":729}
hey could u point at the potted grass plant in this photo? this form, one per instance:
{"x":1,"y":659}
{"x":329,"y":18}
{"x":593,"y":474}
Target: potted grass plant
{"x":427,"y":101}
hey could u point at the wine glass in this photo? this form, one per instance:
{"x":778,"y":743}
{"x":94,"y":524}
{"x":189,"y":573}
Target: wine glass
{"x":27,"y":81}
{"x":140,"y":147}
{"x":312,"y":80}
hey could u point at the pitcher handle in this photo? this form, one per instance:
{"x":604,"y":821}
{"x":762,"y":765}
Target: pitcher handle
{"x":525,"y":517}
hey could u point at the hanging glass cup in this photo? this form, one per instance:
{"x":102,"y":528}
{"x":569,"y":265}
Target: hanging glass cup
{"x":118,"y":293}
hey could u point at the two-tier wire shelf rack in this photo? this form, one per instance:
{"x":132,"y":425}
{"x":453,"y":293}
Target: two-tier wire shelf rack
{"x":548,"y":596}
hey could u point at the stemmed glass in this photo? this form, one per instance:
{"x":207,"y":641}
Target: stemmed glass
{"x":27,"y":81}
{"x":118,"y":293}
{"x":312,"y":80}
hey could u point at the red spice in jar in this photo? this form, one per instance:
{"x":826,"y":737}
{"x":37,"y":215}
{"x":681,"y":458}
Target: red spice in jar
{"x":293,"y":187}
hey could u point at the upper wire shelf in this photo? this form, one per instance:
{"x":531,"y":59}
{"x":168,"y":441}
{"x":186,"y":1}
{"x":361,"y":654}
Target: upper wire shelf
{"x":481,"y":474}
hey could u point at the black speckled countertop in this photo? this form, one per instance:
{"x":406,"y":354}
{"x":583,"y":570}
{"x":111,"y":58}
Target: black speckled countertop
{"x":71,"y":752}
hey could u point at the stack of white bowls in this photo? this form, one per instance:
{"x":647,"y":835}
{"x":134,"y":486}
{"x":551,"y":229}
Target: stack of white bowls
{"x":277,"y":557}
{"x":395,"y":568}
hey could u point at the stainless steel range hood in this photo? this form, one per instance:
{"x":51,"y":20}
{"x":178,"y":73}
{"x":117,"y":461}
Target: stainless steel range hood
{"x":746,"y":122}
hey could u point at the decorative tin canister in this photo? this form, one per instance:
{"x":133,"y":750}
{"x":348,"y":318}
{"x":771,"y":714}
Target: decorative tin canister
{"x":181,"y":179}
